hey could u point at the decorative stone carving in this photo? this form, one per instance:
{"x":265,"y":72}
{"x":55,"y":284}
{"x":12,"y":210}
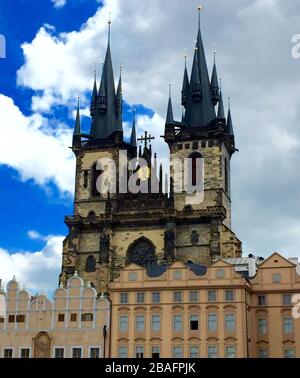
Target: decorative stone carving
{"x":141,"y":252}
{"x":195,"y":238}
{"x":170,"y":243}
{"x":42,"y":344}
{"x":104,"y":247}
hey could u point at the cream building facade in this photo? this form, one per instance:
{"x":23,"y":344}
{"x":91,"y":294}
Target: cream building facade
{"x":76,"y":324}
{"x":189,"y":311}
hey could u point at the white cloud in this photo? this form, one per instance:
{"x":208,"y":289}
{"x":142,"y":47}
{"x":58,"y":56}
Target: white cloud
{"x":36,"y":150}
{"x":35,"y":235}
{"x":37,"y":271}
{"x":257,"y":71}
{"x":59,"y":3}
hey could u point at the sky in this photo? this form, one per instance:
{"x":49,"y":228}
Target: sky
{"x":53,"y":48}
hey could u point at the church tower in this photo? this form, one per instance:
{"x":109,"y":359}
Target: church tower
{"x":206,"y":135}
{"x":151,"y":225}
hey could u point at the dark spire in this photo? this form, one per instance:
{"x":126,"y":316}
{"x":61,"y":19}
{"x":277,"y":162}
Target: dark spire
{"x":133,"y":132}
{"x":229,"y":128}
{"x":195,"y":86}
{"x":221,"y":112}
{"x":170,"y":117}
{"x":119,"y":104}
{"x":199,"y":109}
{"x":106,"y":118}
{"x":214,"y":87}
{"x":185,"y":86}
{"x":160,"y":178}
{"x":77,"y":130}
{"x":94,"y":97}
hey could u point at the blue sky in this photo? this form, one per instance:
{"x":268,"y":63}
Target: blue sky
{"x":52,"y":52}
{"x":24,"y":205}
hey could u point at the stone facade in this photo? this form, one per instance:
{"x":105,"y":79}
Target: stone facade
{"x":72,"y":325}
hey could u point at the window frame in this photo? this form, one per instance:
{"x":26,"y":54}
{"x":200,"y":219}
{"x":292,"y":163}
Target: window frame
{"x":96,"y":347}
{"x":120,"y":322}
{"x":209,"y":321}
{"x":179,"y":293}
{"x":78,"y":348}
{"x":55,"y":348}
{"x":176,"y":322}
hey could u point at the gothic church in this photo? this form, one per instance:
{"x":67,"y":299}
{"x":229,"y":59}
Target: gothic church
{"x":108,"y":231}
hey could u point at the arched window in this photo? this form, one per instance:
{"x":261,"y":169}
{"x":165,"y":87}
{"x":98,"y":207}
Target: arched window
{"x":90,"y":264}
{"x":195,"y":156}
{"x":226,"y":176}
{"x":95,"y":174}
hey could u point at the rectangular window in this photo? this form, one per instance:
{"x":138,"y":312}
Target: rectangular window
{"x":212,"y":351}
{"x":94,"y":352}
{"x":212,"y":322}
{"x":155,"y":323}
{"x":140,"y":323}
{"x":262,"y":353}
{"x":123,"y":323}
{"x":262,"y":326}
{"x":194,"y":323}
{"x":25,"y":353}
{"x":123,"y":351}
{"x":211,"y":295}
{"x":289,"y":353}
{"x":230,"y":351}
{"x":177,"y":296}
{"x":8,"y":353}
{"x":139,"y":352}
{"x":1,"y":319}
{"x":288,"y":325}
{"x":177,"y":351}
{"x":20,"y":318}
{"x":124,"y":298}
{"x":195,"y":145}
{"x":73,"y":317}
{"x":11,"y":318}
{"x":220,"y":273}
{"x":140,"y":298}
{"x":132,"y":276}
{"x":156,"y":297}
{"x":177,"y":275}
{"x":76,"y":352}
{"x":155,"y":352}
{"x":262,"y":300}
{"x":287,"y":299}
{"x":87,"y":317}
{"x":61,"y":317}
{"x":229,"y":296}
{"x":177,"y":323}
{"x":194,"y":296}
{"x":194,"y":351}
{"x":230,"y":322}
{"x":59,"y":353}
